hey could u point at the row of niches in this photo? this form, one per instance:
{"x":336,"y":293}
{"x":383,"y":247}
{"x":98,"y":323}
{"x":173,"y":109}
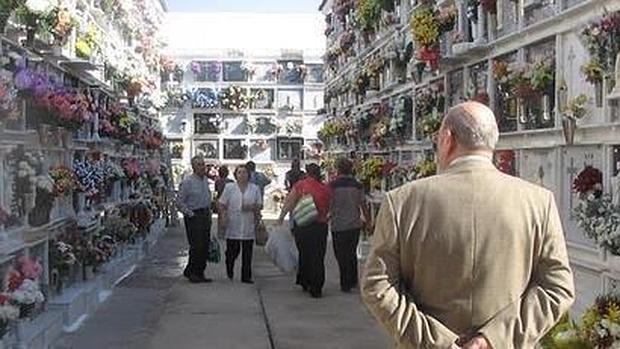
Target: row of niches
{"x":258,"y":150}
{"x":40,"y":186}
{"x":286,"y":72}
{"x":437,"y":29}
{"x":236,"y":98}
{"x":539,"y":86}
{"x":239,"y":124}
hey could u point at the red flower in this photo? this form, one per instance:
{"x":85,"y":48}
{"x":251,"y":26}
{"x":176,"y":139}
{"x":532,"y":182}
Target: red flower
{"x":589,"y":179}
{"x":4,"y":299}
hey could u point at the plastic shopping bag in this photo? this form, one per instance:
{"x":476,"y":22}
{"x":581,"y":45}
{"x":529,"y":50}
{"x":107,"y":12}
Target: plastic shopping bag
{"x":214,"y":255}
{"x":281,"y":248}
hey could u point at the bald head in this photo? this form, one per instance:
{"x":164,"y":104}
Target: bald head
{"x":473,"y":126}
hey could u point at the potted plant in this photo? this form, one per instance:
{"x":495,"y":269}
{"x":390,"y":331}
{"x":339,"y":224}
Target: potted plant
{"x":574,"y":110}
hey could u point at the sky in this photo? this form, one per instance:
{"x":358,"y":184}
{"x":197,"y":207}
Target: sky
{"x":257,"y":6}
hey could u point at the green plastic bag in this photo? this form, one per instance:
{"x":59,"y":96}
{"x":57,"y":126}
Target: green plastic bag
{"x":214,"y":255}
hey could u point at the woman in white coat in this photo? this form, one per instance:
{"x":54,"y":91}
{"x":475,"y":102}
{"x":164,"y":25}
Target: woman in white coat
{"x":240,"y":206}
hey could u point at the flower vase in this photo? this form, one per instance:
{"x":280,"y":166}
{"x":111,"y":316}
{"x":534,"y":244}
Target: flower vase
{"x":66,"y":138}
{"x":546,"y":105}
{"x":569,"y":125}
{"x":26,"y":311}
{"x":521,"y":112}
{"x":598,"y":93}
{"x":30,"y":33}
{"x":43,"y":131}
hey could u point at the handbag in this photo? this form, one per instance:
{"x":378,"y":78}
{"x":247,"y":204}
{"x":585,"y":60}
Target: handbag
{"x":261,"y":234}
{"x":213,"y":254}
{"x":305,"y":212}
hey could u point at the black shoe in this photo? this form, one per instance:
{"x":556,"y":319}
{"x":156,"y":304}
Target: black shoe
{"x":195,"y":279}
{"x":346,"y":289}
{"x":186,"y":273}
{"x":316,"y":294}
{"x":304,"y":288}
{"x":247,"y":281}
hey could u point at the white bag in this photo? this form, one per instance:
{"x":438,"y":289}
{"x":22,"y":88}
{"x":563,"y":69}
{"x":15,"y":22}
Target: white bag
{"x":281,"y":248}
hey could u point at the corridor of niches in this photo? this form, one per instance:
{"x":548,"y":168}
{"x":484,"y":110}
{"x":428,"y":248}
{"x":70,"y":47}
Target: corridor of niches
{"x":281,"y":174}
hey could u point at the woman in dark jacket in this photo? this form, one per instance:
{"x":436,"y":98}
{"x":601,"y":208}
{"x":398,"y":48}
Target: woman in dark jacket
{"x":311,"y":239}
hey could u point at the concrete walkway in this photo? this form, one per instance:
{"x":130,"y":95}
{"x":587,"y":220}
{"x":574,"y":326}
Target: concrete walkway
{"x":157,"y":308}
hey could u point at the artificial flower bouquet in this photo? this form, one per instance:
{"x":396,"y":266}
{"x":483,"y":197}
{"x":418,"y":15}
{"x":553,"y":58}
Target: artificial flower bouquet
{"x":64,"y":179}
{"x":132,"y":168}
{"x":596,"y":212}
{"x":22,"y":286}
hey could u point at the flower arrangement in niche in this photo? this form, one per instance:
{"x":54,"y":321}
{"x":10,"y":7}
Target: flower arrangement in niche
{"x":543,"y":76}
{"x":88,"y":42}
{"x":599,"y":327}
{"x":90,"y":175}
{"x":576,"y":108}
{"x":596,"y":213}
{"x":22,"y":286}
{"x":425,"y":168}
{"x":59,"y":23}
{"x":64,"y":179}
{"x":8,"y":97}
{"x":593,"y":71}
{"x":234,"y":98}
{"x":132,"y":168}
{"x":429,"y":108}
{"x":601,"y":40}
{"x":427,"y":26}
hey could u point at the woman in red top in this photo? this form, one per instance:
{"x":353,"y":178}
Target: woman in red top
{"x":311,"y":239}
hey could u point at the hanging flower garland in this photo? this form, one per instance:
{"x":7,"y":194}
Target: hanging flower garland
{"x":596,"y":212}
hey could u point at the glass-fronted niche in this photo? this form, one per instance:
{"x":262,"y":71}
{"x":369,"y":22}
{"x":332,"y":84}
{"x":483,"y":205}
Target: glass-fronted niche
{"x":315,"y":73}
{"x":235,"y":149}
{"x":291,"y":72}
{"x":290,"y":99}
{"x":207,"y":123}
{"x":209,"y":149}
{"x":290,"y":148}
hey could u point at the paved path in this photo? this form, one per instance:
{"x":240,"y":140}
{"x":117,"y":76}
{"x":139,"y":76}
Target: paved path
{"x":156,"y":308}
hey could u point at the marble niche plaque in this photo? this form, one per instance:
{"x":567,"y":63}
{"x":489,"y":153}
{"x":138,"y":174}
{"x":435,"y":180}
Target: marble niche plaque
{"x":574,"y":160}
{"x":539,"y":166}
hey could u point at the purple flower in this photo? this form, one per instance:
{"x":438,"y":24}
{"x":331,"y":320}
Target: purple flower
{"x":196,"y":67}
{"x":24,"y":79}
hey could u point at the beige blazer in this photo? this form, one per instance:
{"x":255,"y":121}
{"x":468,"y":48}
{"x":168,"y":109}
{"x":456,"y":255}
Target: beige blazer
{"x":468,"y":251}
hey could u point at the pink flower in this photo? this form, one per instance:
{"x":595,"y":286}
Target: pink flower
{"x":30,"y":269}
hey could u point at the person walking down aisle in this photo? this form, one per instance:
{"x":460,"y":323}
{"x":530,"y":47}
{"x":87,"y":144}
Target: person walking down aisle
{"x":194,"y":201}
{"x":239,"y":206}
{"x":311,"y":237}
{"x":347,"y":204}
{"x":258,"y":178}
{"x":294,"y":175}
{"x":221,"y":181}
{"x":471,"y":258}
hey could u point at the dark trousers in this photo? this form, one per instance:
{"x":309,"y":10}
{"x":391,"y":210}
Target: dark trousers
{"x":198,"y":228}
{"x":311,"y":242}
{"x":345,"y":249}
{"x":233,"y":247}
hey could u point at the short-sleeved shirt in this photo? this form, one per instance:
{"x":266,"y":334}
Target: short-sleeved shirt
{"x":292,"y":177}
{"x":241,"y":225}
{"x":320,"y":193}
{"x":347,"y":198}
{"x":194,"y":194}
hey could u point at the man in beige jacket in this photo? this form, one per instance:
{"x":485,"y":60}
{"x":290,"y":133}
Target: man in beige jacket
{"x":470,"y":258}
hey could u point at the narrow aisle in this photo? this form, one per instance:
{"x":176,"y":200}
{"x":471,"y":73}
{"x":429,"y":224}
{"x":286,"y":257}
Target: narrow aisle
{"x":156,"y":308}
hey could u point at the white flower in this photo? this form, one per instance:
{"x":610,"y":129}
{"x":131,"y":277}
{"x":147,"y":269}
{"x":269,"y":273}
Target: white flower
{"x":38,"y":6}
{"x":28,"y":293}
{"x":8,"y":312}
